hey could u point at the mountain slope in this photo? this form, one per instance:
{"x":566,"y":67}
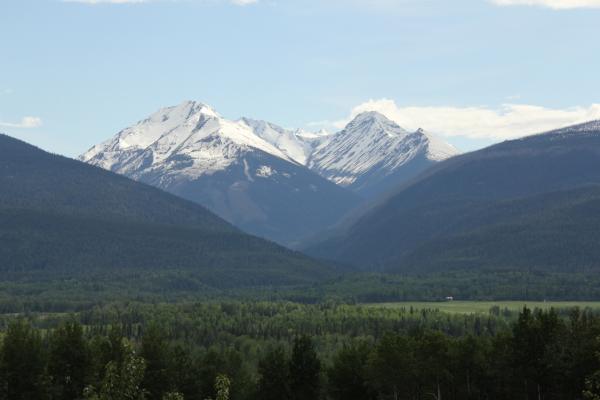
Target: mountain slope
{"x":555,"y":232}
{"x":229,"y":167}
{"x":373,"y":155}
{"x":60,"y":217}
{"x":460,"y":195}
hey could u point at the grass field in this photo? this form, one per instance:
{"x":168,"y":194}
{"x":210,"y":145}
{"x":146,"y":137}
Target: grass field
{"x":469,"y":307}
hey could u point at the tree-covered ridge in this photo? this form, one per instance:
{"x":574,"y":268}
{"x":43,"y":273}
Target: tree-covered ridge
{"x":161,"y":352}
{"x":63,"y":219}
{"x":555,"y":231}
{"x":32,"y":179}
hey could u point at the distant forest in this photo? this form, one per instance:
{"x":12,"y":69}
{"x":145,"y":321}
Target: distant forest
{"x":42,"y":291}
{"x":281,"y":351}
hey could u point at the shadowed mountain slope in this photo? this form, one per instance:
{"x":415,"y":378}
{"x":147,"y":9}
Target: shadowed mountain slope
{"x":499,"y":207}
{"x":61,"y":217}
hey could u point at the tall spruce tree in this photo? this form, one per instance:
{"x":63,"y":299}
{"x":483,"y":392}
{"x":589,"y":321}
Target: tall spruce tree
{"x":68,"y":362}
{"x":22,"y":364}
{"x":305,"y":370}
{"x":154,"y":350}
{"x":348,"y":375}
{"x":274,"y":376}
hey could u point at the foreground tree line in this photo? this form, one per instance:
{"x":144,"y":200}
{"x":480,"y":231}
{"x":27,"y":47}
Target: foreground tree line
{"x":543,"y":355}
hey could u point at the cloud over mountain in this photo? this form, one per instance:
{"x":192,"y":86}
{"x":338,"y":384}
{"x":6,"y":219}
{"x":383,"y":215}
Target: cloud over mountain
{"x":554,"y":4}
{"x":509,"y":121}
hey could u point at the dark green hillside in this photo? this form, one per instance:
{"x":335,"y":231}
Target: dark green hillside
{"x":61,"y":218}
{"x":555,"y":232}
{"x":36,"y":180}
{"x":473,"y":193}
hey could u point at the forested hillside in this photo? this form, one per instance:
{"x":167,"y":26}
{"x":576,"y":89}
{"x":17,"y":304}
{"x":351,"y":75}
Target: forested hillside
{"x":62,"y":219}
{"x":529,"y":203}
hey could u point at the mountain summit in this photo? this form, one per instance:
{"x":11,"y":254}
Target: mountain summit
{"x":229,"y":167}
{"x":373,"y":154}
{"x":190,"y":139}
{"x":277,"y":183}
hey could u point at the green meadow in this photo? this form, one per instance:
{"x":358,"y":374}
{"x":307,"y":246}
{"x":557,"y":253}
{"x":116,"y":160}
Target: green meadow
{"x":469,"y":307}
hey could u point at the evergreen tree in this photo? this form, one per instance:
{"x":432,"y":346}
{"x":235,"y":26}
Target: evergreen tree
{"x":392,"y":367}
{"x":68,"y":362}
{"x":154,"y":350}
{"x":434,"y":363}
{"x":22,"y":364}
{"x":274,"y":376}
{"x":184,"y":374}
{"x":535,"y":336}
{"x":211,"y":365}
{"x":305,"y":369}
{"x":469,"y":364}
{"x":348,"y":375}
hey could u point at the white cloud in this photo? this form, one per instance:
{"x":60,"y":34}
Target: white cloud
{"x":510,"y":121}
{"x":244,"y":2}
{"x":554,"y":4}
{"x":26,"y":122}
{"x":236,"y":2}
{"x":105,"y":1}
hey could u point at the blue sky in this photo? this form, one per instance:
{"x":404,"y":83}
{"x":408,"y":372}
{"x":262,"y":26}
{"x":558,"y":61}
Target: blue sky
{"x":476,"y":72}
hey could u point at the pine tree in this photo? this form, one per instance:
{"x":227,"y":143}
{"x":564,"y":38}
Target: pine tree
{"x":305,"y":369}
{"x":348,"y":375}
{"x":22,"y":364}
{"x":154,"y":351}
{"x":68,"y":362}
{"x":274,"y":376}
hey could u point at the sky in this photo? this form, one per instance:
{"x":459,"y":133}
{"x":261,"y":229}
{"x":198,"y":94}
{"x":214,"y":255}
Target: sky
{"x":475,"y":72}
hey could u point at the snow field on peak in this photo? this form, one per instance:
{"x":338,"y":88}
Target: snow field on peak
{"x":192,"y":139}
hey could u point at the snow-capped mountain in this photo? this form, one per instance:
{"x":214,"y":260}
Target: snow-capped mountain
{"x":373,"y":153}
{"x":189,"y":139}
{"x":245,"y":171}
{"x":278,"y":183}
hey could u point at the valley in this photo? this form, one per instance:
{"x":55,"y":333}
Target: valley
{"x":112,"y":287}
{"x":299,"y":200}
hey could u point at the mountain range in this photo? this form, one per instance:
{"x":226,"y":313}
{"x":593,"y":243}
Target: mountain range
{"x":277,"y":183}
{"x":531,"y":203}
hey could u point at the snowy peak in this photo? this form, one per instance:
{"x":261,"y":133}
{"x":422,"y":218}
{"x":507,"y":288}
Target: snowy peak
{"x":169,"y":120}
{"x":191,"y":136}
{"x":437,"y":149}
{"x":374,"y":123}
{"x":191,"y":139}
{"x":372,"y":148}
